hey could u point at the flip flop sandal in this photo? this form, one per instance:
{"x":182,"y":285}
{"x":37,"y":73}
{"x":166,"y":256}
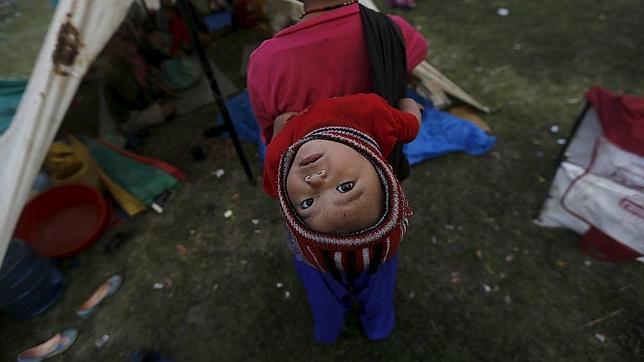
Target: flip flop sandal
{"x":107,"y":289}
{"x":54,"y":346}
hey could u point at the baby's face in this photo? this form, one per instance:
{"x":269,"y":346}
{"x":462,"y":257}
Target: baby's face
{"x":333,"y":188}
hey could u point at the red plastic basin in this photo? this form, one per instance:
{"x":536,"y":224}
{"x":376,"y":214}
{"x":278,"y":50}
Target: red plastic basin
{"x":63,"y":221}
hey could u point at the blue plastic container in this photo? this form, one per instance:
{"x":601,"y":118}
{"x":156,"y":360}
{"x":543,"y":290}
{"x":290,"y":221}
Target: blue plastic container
{"x":29,"y":283}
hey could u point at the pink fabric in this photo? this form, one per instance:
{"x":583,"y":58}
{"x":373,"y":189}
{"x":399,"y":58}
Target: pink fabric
{"x":318,"y":58}
{"x":621,"y":116}
{"x":602,"y":247}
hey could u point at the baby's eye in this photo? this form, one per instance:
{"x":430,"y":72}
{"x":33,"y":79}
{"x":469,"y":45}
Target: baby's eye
{"x":306,"y":203}
{"x":345,"y":187}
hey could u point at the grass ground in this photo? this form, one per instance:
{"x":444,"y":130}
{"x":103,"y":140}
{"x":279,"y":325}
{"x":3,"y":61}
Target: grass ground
{"x":472,"y":226}
{"x":21,"y":35}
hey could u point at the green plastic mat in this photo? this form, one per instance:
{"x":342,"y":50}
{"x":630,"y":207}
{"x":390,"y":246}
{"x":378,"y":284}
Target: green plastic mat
{"x":143,"y":181}
{"x":11,"y":91}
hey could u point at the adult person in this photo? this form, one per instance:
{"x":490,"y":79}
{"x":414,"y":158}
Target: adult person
{"x":133,"y":93}
{"x":336,"y":49}
{"x":324,"y":55}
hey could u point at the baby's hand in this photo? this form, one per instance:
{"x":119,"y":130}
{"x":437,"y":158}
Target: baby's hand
{"x":281,"y":121}
{"x":410,"y":106}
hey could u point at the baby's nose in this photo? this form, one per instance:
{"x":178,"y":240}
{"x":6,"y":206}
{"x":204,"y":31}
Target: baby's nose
{"x":316,"y":178}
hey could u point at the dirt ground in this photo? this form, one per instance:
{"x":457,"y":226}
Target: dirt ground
{"x":478,"y":281}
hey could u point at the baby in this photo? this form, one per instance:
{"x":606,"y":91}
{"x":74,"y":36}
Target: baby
{"x":337,"y":192}
{"x":343,"y":206}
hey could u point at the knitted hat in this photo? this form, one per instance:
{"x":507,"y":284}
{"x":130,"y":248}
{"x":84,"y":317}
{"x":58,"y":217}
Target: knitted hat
{"x":356,"y":251}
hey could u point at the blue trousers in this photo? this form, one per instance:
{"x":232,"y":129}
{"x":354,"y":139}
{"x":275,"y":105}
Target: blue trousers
{"x":331,"y":299}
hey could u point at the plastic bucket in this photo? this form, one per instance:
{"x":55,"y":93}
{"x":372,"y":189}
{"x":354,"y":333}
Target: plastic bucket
{"x":29,"y":283}
{"x":63,"y":221}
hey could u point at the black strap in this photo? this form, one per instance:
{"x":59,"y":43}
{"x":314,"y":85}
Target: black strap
{"x":388,"y":59}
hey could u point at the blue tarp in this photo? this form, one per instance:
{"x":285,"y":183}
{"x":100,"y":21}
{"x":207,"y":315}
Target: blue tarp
{"x":218,"y":20}
{"x":244,"y":121}
{"x":442,"y":133}
{"x":11,"y":91}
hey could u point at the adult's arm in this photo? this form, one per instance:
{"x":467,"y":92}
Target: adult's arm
{"x":416,"y":45}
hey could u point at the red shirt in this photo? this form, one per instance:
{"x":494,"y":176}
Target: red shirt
{"x":180,"y":33}
{"x":318,"y":58}
{"x":368,"y":113}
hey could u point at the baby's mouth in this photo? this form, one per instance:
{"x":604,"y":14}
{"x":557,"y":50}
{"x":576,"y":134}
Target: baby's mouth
{"x":310,"y":159}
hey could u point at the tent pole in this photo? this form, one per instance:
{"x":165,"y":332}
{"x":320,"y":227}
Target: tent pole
{"x":562,"y":153}
{"x":145,"y":6}
{"x":575,"y":127}
{"x":132,"y":29}
{"x":186,"y":14}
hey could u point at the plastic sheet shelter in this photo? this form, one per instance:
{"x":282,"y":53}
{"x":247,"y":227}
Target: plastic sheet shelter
{"x":77,"y":33}
{"x":598,"y":190}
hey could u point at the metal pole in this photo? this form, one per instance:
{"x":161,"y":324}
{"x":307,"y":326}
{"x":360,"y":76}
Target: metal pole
{"x":186,"y":14}
{"x":145,"y":7}
{"x":562,"y":153}
{"x":575,"y":127}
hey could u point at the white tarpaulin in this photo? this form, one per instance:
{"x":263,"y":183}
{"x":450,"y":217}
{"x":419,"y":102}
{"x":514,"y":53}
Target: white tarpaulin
{"x":78,"y":32}
{"x":601,"y":182}
{"x":609,"y":195}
